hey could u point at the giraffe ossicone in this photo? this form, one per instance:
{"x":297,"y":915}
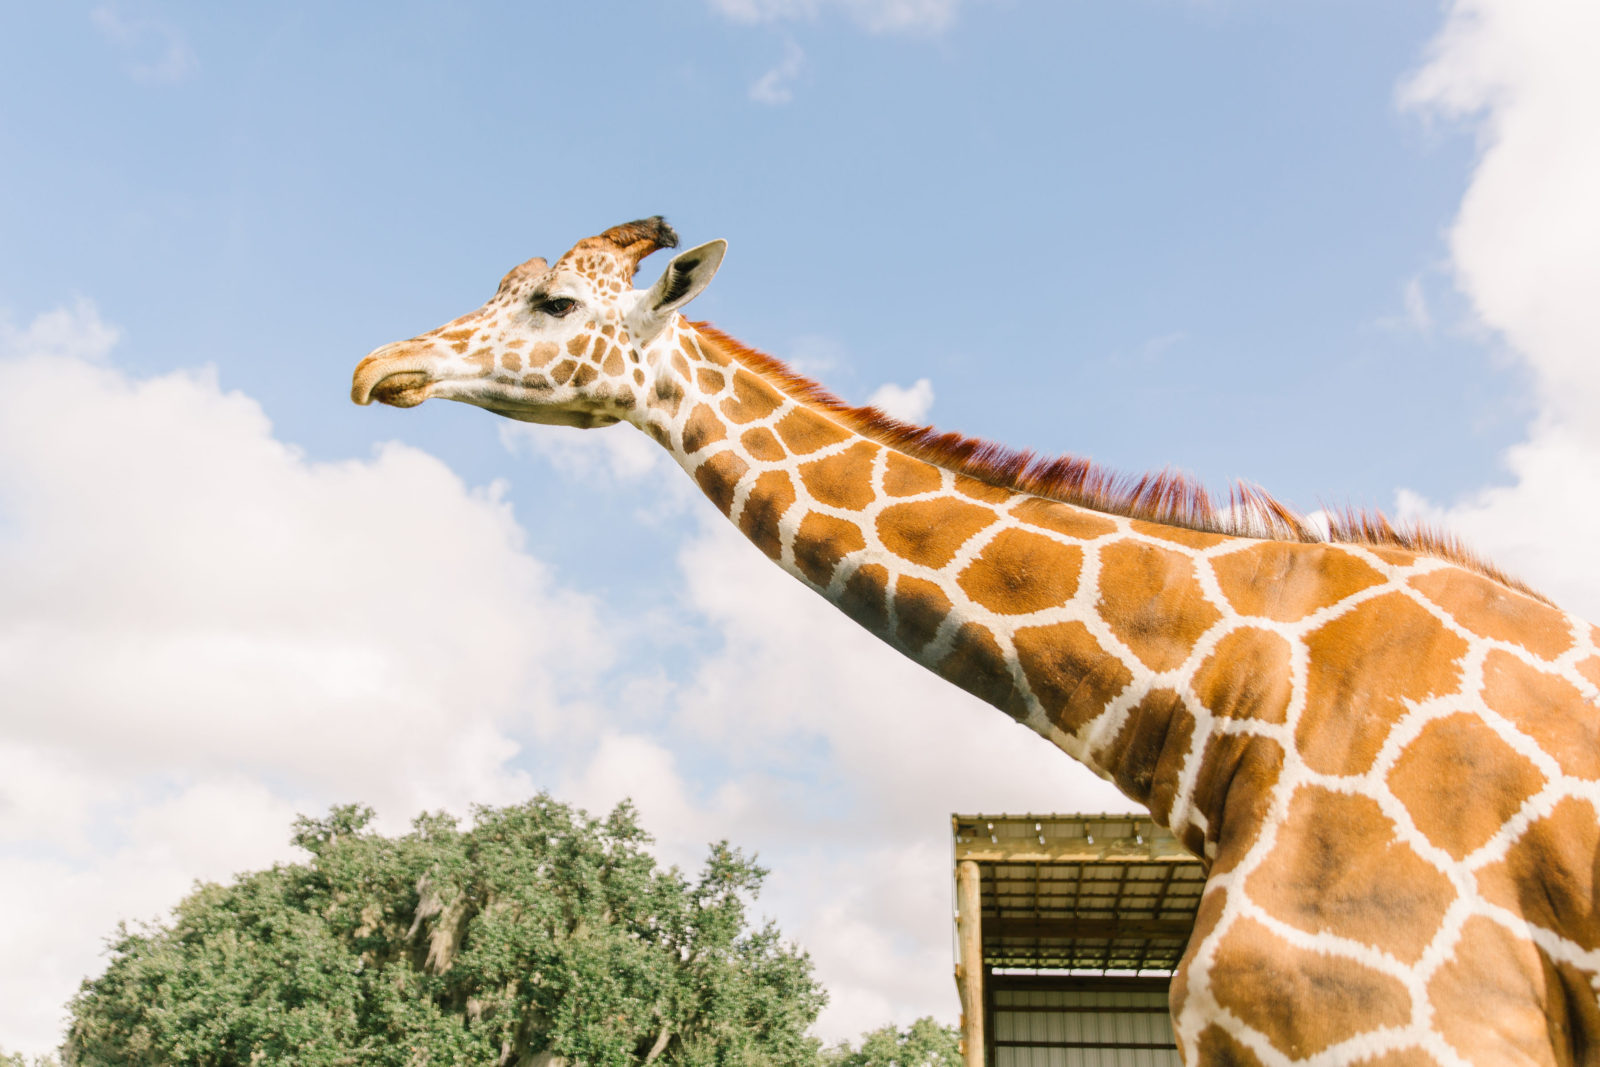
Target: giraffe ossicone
{"x":1387,"y":753}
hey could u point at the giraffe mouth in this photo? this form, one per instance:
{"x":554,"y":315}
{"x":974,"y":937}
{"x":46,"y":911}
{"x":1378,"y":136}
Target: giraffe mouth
{"x":397,"y":375}
{"x":403,"y":389}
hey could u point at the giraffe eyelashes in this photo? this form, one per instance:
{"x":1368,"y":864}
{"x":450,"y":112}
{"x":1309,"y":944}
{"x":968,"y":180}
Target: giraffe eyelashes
{"x":556,"y":306}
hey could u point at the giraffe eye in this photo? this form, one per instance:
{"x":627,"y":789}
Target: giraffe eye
{"x":556,"y":306}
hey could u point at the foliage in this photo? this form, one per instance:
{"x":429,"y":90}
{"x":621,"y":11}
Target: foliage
{"x":925,"y":1043}
{"x":15,"y":1059}
{"x":537,"y":936}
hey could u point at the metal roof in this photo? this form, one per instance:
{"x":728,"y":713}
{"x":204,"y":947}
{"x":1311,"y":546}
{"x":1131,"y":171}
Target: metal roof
{"x":1081,"y":892}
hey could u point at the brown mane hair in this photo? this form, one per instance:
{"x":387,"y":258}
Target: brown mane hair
{"x":1168,"y":497}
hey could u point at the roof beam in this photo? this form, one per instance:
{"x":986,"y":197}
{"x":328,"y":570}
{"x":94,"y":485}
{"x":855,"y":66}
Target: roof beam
{"x":1087,"y":929}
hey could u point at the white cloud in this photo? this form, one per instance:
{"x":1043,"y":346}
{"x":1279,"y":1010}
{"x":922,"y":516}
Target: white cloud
{"x":893,"y":733}
{"x":1526,"y":244}
{"x":608,"y":459}
{"x":881,"y":938}
{"x":207,"y":832}
{"x":815,"y":355}
{"x":1415,"y":316}
{"x":647,"y":771}
{"x":155,"y":51}
{"x":1416,"y":304}
{"x":877,"y":16}
{"x":1539,"y":527}
{"x":1155,"y":346}
{"x":612,"y":455}
{"x":170,"y":558}
{"x":202,"y":632}
{"x":1525,"y":249}
{"x":45,"y":794}
{"x":77,"y":332}
{"x":773,"y":87}
{"x":908,"y":403}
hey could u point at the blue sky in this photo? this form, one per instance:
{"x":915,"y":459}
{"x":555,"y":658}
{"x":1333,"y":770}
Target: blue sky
{"x":1315,"y":246}
{"x":1196,"y":209}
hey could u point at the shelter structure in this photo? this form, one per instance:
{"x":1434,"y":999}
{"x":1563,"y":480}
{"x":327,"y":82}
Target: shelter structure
{"x":1068,"y":931}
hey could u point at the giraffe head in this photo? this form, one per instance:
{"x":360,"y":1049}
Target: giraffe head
{"x":573,"y":344}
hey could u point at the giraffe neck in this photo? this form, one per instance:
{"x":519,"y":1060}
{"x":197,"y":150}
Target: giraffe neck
{"x":1077,"y":623}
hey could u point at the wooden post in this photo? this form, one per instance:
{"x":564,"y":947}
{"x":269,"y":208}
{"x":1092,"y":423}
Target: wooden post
{"x":969,"y":970}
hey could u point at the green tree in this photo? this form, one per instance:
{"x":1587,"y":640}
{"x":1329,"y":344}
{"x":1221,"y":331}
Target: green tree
{"x":925,"y":1043}
{"x":16,"y":1059}
{"x":537,"y":937}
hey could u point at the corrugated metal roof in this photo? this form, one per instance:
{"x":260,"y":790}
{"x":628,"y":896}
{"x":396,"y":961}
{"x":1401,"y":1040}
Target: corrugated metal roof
{"x":1081,"y":892}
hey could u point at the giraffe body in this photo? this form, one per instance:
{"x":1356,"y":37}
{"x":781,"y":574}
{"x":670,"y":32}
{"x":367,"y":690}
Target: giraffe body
{"x":1389,"y":759}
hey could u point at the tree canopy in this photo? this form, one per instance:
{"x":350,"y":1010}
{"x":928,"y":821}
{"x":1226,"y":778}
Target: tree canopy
{"x":537,"y":936}
{"x":925,"y":1043}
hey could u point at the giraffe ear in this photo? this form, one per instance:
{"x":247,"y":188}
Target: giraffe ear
{"x":687,"y":274}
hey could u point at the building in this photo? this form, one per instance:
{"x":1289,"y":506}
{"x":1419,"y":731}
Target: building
{"x":1068,"y":930}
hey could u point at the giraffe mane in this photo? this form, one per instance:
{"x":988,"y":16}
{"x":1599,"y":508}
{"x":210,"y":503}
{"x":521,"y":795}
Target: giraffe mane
{"x":1169,"y":497}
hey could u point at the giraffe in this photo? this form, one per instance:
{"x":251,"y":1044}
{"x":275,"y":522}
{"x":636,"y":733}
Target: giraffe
{"x":1386,"y":753}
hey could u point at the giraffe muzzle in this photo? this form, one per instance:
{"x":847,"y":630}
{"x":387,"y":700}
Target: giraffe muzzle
{"x":396,"y":375}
